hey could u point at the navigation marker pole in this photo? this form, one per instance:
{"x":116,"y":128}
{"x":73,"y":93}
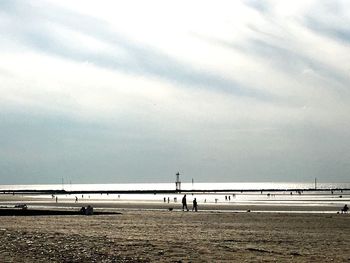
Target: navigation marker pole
{"x":315,"y":183}
{"x":177,"y":182}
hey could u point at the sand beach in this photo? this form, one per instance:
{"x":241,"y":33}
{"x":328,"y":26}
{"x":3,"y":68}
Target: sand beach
{"x":158,"y":235}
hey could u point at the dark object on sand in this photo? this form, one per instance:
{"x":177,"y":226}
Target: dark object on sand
{"x":83,"y":210}
{"x":345,"y":209}
{"x":44,"y":212}
{"x":22,"y":206}
{"x":170,"y":209}
{"x":184,"y":203}
{"x":89,"y":210}
{"x":195,"y":205}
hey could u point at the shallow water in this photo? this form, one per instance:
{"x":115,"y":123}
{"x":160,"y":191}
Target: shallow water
{"x":284,"y":197}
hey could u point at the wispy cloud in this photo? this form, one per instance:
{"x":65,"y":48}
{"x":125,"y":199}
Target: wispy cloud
{"x":41,"y":30}
{"x":330,"y":19}
{"x":245,"y":90}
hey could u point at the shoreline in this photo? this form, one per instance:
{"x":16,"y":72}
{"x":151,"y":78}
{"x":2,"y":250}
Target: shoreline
{"x":101,"y":204}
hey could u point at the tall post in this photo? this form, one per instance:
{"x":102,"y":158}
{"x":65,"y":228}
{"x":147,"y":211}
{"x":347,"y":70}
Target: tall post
{"x":178,"y":182}
{"x":315,"y":183}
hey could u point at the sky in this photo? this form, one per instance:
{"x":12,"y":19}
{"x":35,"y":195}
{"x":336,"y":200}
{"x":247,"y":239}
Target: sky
{"x":135,"y":91}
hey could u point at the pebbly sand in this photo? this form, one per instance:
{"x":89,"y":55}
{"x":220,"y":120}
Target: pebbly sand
{"x":176,"y":236}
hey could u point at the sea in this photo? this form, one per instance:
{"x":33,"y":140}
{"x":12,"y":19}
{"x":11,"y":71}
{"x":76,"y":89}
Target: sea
{"x":184,"y":186}
{"x":333,"y":194}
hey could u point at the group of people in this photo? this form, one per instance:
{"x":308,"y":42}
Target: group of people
{"x":184,"y":204}
{"x":89,"y":210}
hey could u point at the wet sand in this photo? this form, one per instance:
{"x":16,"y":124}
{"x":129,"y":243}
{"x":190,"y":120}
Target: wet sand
{"x":268,"y":206}
{"x":164,"y":236}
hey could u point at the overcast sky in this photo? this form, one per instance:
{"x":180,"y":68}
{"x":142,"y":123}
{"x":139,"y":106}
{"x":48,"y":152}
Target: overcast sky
{"x":134,"y":91}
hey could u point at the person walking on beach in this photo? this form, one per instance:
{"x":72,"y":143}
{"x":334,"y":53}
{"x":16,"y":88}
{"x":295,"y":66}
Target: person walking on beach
{"x":195,"y":205}
{"x":184,"y":203}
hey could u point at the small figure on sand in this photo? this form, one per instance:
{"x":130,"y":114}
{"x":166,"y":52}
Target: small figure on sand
{"x":195,"y":205}
{"x":56,"y":199}
{"x":76,"y":199}
{"x":83,"y":210}
{"x":89,"y":210}
{"x":184,"y":203}
{"x":345,"y":209}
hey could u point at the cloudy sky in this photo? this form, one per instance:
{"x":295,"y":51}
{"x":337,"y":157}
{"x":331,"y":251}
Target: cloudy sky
{"x":134,"y":91}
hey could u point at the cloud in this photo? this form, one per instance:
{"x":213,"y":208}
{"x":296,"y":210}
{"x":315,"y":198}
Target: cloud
{"x":44,"y":29}
{"x":330,"y":19}
{"x":261,"y":6}
{"x":245,"y":90}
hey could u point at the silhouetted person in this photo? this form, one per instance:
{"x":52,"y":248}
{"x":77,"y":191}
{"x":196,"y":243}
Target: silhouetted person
{"x":195,"y":205}
{"x":345,"y":209}
{"x":184,"y":203}
{"x":83,"y":210}
{"x":168,"y":200}
{"x":89,"y":210}
{"x":76,"y":199}
{"x":56,"y":199}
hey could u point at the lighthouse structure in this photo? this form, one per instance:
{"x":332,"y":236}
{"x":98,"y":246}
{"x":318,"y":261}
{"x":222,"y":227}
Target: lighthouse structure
{"x":178,"y":182}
